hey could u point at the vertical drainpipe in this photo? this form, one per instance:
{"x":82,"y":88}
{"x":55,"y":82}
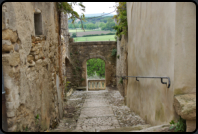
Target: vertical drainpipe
{"x":4,"y":114}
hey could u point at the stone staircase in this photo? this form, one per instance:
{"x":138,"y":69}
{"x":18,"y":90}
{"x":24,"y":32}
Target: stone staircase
{"x":141,"y":128}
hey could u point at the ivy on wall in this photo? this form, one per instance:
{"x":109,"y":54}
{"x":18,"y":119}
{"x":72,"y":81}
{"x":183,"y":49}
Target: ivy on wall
{"x":121,"y":26}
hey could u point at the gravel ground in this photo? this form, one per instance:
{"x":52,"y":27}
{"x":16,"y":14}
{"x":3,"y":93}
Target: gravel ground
{"x":125,"y":116}
{"x":75,"y":102}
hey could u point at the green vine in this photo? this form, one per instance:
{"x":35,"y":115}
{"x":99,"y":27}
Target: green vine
{"x":37,"y":118}
{"x":78,"y":68}
{"x":66,"y":85}
{"x":121,"y":28}
{"x":180,"y":126}
{"x":118,"y":56}
{"x":121,"y":81}
{"x":114,"y":52}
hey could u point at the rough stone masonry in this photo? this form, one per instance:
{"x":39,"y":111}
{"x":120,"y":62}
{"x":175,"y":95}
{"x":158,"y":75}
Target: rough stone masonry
{"x":32,"y":75}
{"x":80,"y":52}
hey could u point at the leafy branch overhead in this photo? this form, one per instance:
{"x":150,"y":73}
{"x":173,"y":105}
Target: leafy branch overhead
{"x":68,"y":8}
{"x":121,"y":26}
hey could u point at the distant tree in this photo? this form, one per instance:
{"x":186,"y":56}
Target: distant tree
{"x":96,"y":65}
{"x":67,"y":7}
{"x":73,"y":35}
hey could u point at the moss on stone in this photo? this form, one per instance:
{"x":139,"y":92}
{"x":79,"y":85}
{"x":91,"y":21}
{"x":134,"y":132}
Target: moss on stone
{"x":159,"y":113}
{"x":178,"y":91}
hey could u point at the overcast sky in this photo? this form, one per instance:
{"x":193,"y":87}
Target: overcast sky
{"x":97,"y":7}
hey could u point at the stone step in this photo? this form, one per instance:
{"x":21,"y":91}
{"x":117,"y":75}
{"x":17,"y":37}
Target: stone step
{"x":158,"y":128}
{"x":81,"y":88}
{"x":127,"y":129}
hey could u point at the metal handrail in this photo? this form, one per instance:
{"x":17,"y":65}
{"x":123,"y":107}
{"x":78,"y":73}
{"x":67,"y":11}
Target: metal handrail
{"x":125,"y":77}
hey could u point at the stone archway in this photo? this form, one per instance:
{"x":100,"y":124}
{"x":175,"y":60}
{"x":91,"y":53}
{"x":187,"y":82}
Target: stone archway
{"x":80,"y":52}
{"x":84,"y":68}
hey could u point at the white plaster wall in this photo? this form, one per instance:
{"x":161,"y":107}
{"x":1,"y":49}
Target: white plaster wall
{"x":161,"y":42}
{"x":151,"y":39}
{"x":185,"y":48}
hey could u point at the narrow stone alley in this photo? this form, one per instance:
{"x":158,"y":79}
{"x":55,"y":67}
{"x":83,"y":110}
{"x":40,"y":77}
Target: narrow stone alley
{"x":96,"y":111}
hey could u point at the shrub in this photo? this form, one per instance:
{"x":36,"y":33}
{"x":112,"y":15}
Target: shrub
{"x":114,"y":52}
{"x":180,"y":126}
{"x":73,"y":34}
{"x":121,"y":81}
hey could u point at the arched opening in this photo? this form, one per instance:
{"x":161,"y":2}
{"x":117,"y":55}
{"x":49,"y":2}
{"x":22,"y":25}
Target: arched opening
{"x":95,"y":74}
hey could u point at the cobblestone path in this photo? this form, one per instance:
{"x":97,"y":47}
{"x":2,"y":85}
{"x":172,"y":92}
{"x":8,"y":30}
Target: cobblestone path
{"x":94,"y":111}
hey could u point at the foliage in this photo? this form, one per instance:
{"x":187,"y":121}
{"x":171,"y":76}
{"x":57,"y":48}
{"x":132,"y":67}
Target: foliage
{"x":71,"y":54}
{"x":180,"y":126}
{"x":82,"y":79}
{"x":121,"y":28}
{"x":114,"y":52}
{"x":73,"y":15}
{"x":105,"y":23}
{"x":78,"y":68}
{"x":121,"y":81}
{"x":74,"y":72}
{"x":26,"y":128}
{"x":37,"y":118}
{"x":118,"y":56}
{"x":96,"y":65}
{"x":73,"y":35}
{"x":66,"y":84}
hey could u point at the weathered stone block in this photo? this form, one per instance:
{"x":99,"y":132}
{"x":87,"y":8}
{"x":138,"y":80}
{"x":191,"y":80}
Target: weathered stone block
{"x":33,"y":39}
{"x":37,"y":10}
{"x":39,"y":62}
{"x":185,"y":106}
{"x":6,"y":42}
{"x":34,"y":48}
{"x":12,"y":129}
{"x":31,"y":63}
{"x":36,"y":57}
{"x":11,"y":113}
{"x":41,"y":55}
{"x":14,"y":59}
{"x":11,"y":121}
{"x":37,"y":39}
{"x":36,"y":52}
{"x":190,"y":125}
{"x":9,"y":105}
{"x":8,"y":34}
{"x":30,"y":57}
{"x":7,"y":48}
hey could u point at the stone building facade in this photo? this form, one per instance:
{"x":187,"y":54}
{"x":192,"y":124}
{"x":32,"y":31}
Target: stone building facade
{"x":32,"y":65}
{"x":121,"y":65}
{"x":162,"y":43}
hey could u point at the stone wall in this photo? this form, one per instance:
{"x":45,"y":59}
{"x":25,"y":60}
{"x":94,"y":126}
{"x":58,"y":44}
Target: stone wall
{"x":80,"y":52}
{"x":121,"y":64}
{"x":31,"y":66}
{"x":161,"y":42}
{"x":64,"y":46}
